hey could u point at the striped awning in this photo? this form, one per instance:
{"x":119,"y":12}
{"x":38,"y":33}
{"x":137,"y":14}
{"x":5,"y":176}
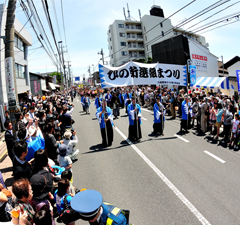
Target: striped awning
{"x":213,"y":82}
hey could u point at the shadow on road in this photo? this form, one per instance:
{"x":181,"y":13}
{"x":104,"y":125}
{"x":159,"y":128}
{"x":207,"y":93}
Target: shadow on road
{"x":94,"y":118}
{"x":100,"y":148}
{"x":8,"y":169}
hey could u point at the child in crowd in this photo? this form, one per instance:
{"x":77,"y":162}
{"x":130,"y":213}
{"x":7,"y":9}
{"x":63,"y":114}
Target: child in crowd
{"x":235,"y":123}
{"x":64,"y":160}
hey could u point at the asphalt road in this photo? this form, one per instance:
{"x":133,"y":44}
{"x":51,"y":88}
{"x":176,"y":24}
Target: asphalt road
{"x":161,"y":180}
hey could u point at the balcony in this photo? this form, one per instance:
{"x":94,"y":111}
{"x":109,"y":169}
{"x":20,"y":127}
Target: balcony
{"x":133,"y":28}
{"x":133,"y":37}
{"x":136,"y":56}
{"x":136,"y":47}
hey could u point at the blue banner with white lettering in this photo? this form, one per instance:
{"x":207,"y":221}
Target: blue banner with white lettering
{"x":238,"y":80}
{"x":77,"y":78}
{"x":193,"y":76}
{"x":133,"y":73}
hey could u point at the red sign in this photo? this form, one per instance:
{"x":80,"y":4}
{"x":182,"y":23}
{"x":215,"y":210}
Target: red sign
{"x":35,"y":87}
{"x":199,"y":57}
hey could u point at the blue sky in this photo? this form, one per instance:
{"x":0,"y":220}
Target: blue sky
{"x":87,"y":23}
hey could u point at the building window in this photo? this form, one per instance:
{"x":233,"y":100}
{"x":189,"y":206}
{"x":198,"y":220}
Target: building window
{"x":121,"y":25}
{"x":138,"y":27}
{"x":146,"y":37}
{"x":144,"y":28}
{"x":162,"y":33}
{"x":123,"y":43}
{"x":18,"y":43}
{"x":124,"y":53}
{"x":110,"y":39}
{"x":111,"y":47}
{"x":112,"y":56}
{"x":19,"y":70}
{"x":161,"y":25}
{"x":109,"y":31}
{"x":112,"y":65}
{"x":122,"y":34}
{"x":147,"y":47}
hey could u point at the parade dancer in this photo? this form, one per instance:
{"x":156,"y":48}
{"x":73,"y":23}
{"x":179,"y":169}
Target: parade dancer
{"x":134,"y":115}
{"x":98,"y":101}
{"x":115,"y":104}
{"x":108,"y":98}
{"x":105,"y":118}
{"x":159,"y":117}
{"x":127,"y":99}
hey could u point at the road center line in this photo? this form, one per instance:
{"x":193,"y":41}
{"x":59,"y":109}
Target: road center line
{"x":181,"y":138}
{"x":215,"y":157}
{"x":189,"y":205}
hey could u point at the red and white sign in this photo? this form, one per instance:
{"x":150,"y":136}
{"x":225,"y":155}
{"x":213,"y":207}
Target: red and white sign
{"x":199,"y":57}
{"x":200,"y":62}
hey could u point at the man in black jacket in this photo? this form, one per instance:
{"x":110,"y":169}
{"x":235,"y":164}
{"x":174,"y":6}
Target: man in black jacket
{"x":21,"y":167}
{"x":9,"y":138}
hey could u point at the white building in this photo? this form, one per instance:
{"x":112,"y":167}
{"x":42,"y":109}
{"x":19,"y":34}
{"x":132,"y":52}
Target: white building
{"x":22,"y":41}
{"x":128,"y":39}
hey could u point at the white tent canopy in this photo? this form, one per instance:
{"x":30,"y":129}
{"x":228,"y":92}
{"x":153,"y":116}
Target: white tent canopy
{"x":213,"y":82}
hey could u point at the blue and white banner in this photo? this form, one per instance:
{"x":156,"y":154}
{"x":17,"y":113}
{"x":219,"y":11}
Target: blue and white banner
{"x":238,"y":80}
{"x":134,"y":73}
{"x":193,"y":76}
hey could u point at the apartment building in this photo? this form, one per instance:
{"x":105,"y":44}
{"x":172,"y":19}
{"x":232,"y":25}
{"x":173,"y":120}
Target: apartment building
{"x":131,"y":40}
{"x":22,"y":41}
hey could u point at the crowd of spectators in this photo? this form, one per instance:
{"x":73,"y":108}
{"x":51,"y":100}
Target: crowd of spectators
{"x":42,"y":150}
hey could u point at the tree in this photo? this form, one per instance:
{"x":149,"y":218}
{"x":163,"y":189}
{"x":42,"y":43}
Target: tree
{"x":149,"y":60}
{"x":58,"y":76}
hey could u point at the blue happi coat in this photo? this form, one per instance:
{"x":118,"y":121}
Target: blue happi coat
{"x":131,"y":113}
{"x":157,"y":118}
{"x":185,"y":108}
{"x":125,"y":98}
{"x":97,"y":105}
{"x":120,"y":98}
{"x":85,"y":100}
{"x":101,"y":119}
{"x":108,"y":97}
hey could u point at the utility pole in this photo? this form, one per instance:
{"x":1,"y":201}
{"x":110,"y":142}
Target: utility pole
{"x":64,"y":67}
{"x":11,"y":83}
{"x":101,"y":53}
{"x":62,"y":83}
{"x":69,"y":72}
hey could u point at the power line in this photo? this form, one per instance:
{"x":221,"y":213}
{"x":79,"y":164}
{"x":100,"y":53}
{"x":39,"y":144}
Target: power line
{"x":220,"y":26}
{"x":63,"y":23}
{"x":213,"y":15}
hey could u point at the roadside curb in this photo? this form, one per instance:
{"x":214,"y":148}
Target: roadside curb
{"x":3,"y":155}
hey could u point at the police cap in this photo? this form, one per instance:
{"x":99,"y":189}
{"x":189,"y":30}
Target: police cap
{"x":87,"y":204}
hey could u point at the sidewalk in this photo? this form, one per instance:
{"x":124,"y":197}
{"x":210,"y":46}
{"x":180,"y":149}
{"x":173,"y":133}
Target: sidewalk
{"x":5,"y":164}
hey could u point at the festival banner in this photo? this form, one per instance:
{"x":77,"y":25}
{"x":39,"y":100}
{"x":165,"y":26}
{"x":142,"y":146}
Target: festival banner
{"x":193,"y":76}
{"x":238,"y":80}
{"x":134,"y":73}
{"x":77,"y":78}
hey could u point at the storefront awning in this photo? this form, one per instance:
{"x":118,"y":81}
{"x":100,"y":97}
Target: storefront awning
{"x":46,"y":90}
{"x":57,"y":86}
{"x":52,"y":86}
{"x":213,"y":82}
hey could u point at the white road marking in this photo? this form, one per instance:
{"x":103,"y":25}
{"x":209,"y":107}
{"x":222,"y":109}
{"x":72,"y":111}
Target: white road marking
{"x":144,"y":118}
{"x":146,"y":110}
{"x":181,"y":138}
{"x":189,"y":205}
{"x":215,"y":157}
